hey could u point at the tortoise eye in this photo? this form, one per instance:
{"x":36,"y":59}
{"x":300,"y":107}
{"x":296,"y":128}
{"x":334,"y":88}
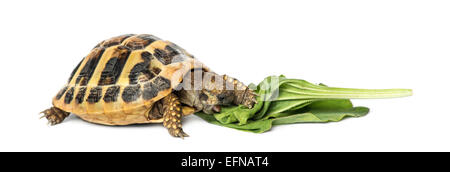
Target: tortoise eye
{"x":221,"y":97}
{"x":203,"y":97}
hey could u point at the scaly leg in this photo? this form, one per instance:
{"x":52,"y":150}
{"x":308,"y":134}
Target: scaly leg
{"x":172,"y":115}
{"x":55,"y":115}
{"x":242,"y":94}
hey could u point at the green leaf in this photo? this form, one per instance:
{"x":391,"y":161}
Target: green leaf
{"x":288,"y":101}
{"x":324,"y":111}
{"x":321,"y":111}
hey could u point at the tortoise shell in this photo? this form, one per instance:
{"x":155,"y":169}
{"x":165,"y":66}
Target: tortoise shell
{"x":122,"y":77}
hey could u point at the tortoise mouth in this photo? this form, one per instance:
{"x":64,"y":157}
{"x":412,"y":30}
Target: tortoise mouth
{"x":210,"y":109}
{"x":216,"y":108}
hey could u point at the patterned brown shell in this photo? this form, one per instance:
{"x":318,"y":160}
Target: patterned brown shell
{"x":125,"y":74}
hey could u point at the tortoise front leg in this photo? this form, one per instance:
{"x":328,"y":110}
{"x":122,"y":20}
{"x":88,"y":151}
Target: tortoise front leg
{"x":55,"y":115}
{"x":172,"y":115}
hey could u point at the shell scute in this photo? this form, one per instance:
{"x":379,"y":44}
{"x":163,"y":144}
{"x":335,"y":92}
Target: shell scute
{"x":124,"y":75}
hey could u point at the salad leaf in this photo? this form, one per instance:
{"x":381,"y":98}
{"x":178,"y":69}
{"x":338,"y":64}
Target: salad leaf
{"x":287,"y":101}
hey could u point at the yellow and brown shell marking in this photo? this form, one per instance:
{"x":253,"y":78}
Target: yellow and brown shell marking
{"x":121,"y":78}
{"x":133,"y":79}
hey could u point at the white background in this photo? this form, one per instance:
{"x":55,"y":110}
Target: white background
{"x":362,"y":44}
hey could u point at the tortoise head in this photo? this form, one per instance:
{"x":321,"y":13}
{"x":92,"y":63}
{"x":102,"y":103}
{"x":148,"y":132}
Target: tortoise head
{"x":212,"y":100}
{"x":208,"y":92}
{"x":212,"y":94}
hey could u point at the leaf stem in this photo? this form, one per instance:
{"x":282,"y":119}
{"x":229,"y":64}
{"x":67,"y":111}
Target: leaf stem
{"x":305,"y":90}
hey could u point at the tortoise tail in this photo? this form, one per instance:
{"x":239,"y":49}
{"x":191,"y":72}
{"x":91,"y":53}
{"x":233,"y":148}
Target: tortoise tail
{"x":55,"y":115}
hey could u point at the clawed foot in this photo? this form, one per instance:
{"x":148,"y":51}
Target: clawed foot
{"x":178,"y":133}
{"x":250,"y":99}
{"x":54,"y":115}
{"x":172,"y":116}
{"x":172,"y":122}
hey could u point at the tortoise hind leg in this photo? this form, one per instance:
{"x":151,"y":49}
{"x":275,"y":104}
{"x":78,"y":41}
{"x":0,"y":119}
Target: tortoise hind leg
{"x":172,"y":115}
{"x":55,"y":115}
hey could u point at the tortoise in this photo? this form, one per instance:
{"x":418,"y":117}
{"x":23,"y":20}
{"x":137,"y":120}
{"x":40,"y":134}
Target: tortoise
{"x":139,"y":78}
